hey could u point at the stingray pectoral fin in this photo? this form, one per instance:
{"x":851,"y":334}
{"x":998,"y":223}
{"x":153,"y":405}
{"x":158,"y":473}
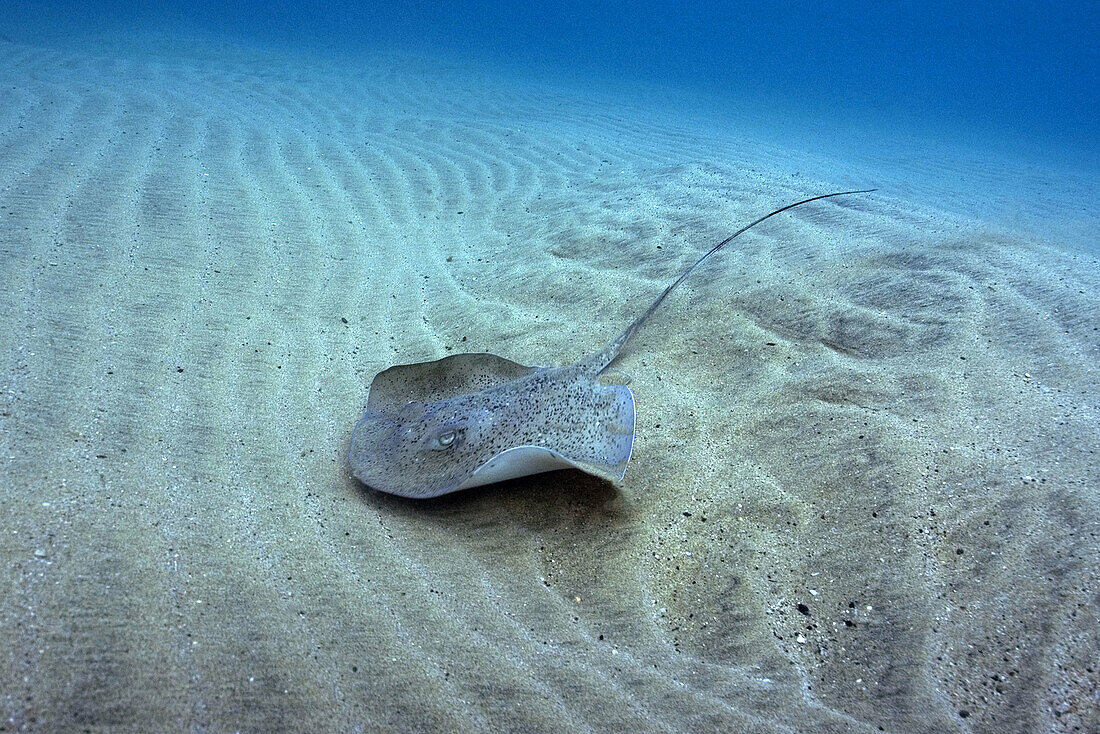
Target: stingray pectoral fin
{"x":605,"y":451}
{"x":617,"y":442}
{"x":520,"y":461}
{"x":428,"y":382}
{"x":523,"y":461}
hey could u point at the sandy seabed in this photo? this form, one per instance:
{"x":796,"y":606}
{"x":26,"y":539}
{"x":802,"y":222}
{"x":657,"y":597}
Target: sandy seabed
{"x":864,"y":493}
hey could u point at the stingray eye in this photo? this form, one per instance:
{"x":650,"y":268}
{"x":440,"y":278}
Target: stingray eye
{"x":447,"y":439}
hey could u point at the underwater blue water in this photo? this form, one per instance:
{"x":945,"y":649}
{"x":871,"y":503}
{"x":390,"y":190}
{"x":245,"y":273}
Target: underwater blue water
{"x":1006,"y":74}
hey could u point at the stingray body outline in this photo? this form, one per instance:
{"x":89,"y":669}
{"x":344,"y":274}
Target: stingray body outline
{"x":432,"y":428}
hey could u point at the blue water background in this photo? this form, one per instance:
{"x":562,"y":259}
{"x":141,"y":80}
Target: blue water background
{"x":1017,"y":78}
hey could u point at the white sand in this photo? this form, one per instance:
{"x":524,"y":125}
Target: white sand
{"x":880,"y":408}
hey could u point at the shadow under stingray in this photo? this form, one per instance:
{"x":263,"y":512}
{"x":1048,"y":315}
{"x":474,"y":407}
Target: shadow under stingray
{"x":536,"y":502}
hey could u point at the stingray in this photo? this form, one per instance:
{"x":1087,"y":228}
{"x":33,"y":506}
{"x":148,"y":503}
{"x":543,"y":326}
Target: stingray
{"x":466,"y":420}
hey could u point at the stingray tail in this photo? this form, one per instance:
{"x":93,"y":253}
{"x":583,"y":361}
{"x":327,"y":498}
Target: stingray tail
{"x":602,"y":359}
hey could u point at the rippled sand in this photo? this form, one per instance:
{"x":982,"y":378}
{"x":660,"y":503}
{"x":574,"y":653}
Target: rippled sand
{"x":864,"y":487}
